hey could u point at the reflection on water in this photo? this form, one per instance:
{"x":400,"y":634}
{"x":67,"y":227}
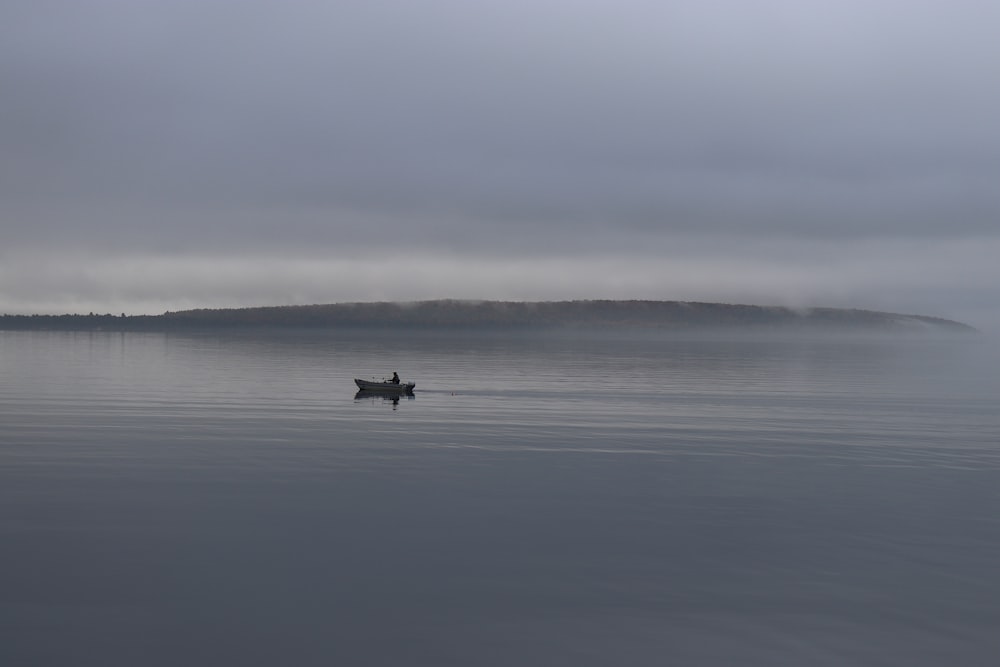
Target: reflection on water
{"x":375,"y":396}
{"x":217,"y":499}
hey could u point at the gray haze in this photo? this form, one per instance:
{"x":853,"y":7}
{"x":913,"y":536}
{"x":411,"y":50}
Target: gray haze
{"x":172,"y":154}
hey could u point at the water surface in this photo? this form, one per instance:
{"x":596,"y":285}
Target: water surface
{"x":228,"y":499}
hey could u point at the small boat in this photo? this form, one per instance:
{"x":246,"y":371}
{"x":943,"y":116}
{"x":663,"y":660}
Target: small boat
{"x":375,"y":386}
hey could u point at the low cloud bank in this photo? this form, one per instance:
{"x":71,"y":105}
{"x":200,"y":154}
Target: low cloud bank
{"x":912,"y":276}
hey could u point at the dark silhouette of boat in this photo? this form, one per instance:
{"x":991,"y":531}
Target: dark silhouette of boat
{"x":384,"y":387}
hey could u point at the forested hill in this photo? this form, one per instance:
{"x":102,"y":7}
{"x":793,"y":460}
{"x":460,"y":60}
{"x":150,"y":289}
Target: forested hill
{"x":666,"y":315}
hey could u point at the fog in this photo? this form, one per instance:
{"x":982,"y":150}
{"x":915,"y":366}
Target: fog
{"x":159,"y":156}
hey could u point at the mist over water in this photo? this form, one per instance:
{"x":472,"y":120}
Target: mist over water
{"x":227,"y":499}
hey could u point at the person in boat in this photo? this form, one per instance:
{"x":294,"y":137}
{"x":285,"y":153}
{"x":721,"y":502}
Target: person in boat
{"x":395,"y":378}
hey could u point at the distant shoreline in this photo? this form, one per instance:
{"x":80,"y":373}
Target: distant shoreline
{"x":521,"y":315}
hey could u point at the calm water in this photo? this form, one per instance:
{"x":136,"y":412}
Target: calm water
{"x":227,"y":500}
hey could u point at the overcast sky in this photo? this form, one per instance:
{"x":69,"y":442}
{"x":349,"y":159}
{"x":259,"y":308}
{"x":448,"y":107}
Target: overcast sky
{"x":160,"y":155}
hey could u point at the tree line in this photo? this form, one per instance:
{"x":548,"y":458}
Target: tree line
{"x":671,"y":315}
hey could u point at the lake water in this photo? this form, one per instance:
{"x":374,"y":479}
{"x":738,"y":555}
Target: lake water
{"x":226,"y":499}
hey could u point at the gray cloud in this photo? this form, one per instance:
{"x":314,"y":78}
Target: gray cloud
{"x":552,"y":133}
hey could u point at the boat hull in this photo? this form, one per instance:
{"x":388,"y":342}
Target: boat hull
{"x":398,"y":388}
